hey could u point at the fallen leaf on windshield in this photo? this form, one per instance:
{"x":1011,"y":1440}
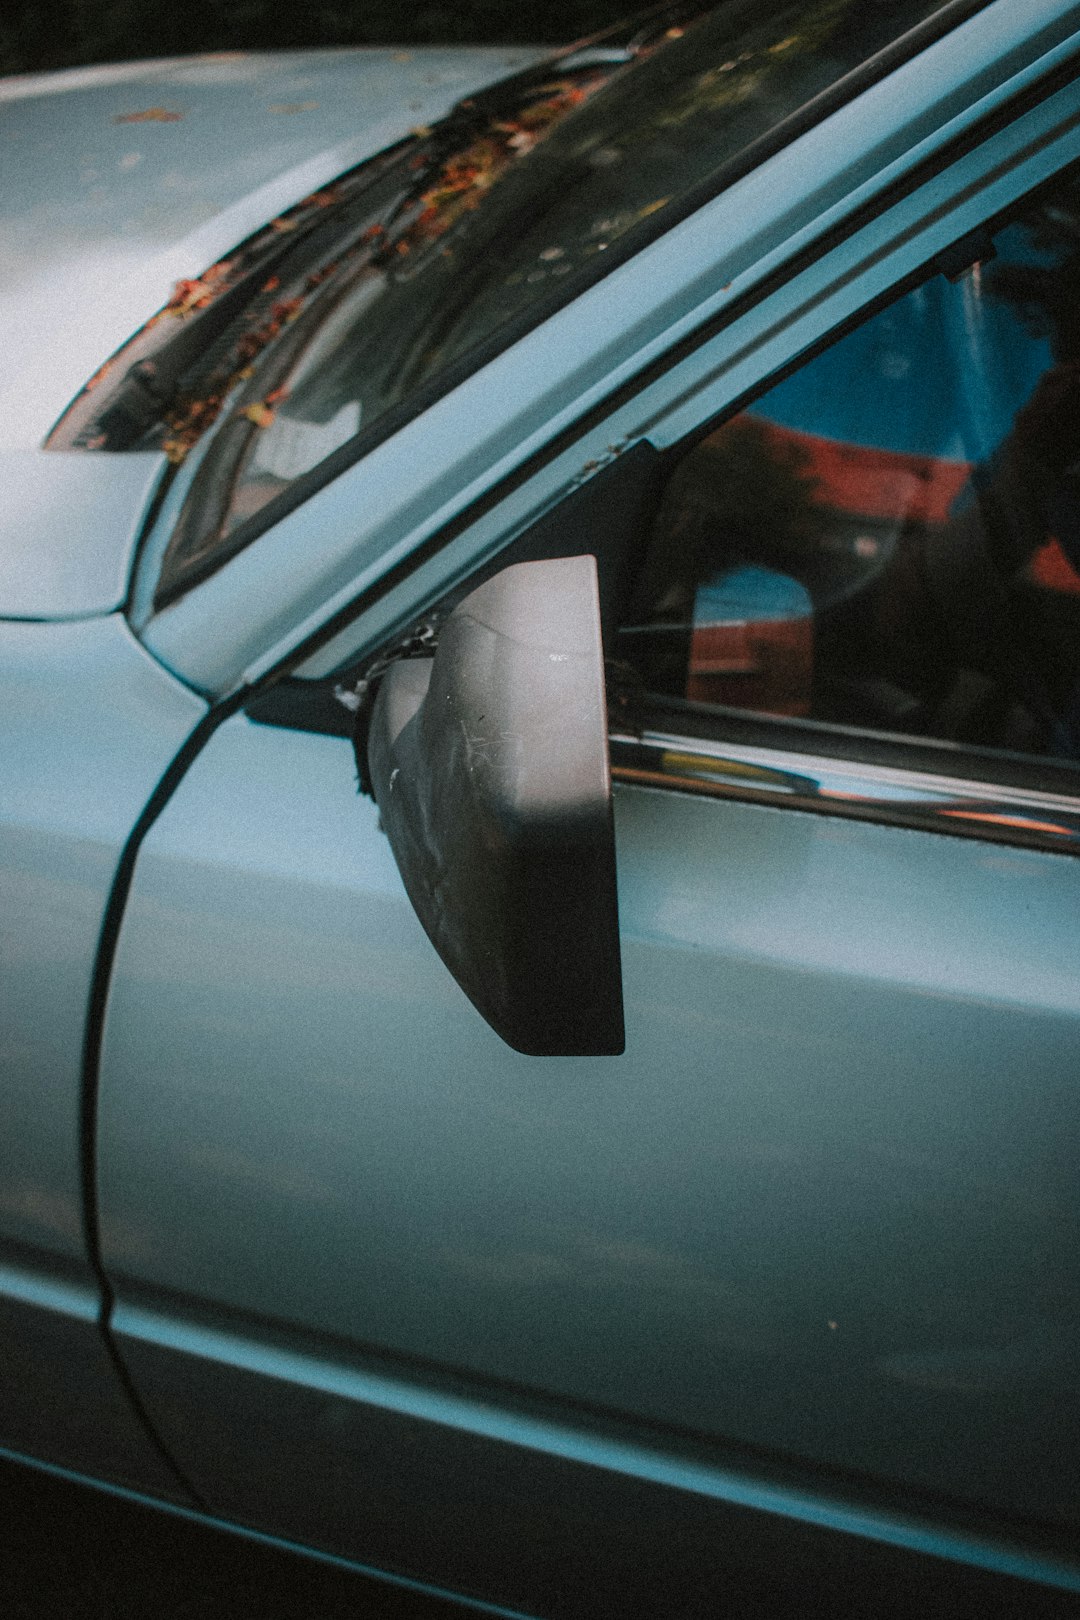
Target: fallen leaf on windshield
{"x":99,"y":376}
{"x":321,"y":199}
{"x":262,"y":414}
{"x":319,"y":275}
{"x":150,"y":115}
{"x":283,"y":224}
{"x":192,"y":294}
{"x":466,"y":175}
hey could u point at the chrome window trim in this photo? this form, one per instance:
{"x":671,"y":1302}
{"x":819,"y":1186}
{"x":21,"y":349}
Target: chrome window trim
{"x":892,"y":795}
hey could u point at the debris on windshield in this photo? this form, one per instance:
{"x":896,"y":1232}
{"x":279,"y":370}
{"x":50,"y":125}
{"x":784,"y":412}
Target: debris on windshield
{"x":322,"y":274}
{"x":263,"y":411}
{"x":99,"y":376}
{"x":151,"y":115}
{"x":455,"y":165}
{"x":196,"y":293}
{"x":262,"y":415}
{"x":189,"y":420}
{"x":467,"y":174}
{"x":322,"y":199}
{"x":458,"y":184}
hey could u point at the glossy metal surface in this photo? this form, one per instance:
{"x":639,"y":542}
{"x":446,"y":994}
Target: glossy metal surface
{"x":68,"y":528}
{"x":906,"y":798}
{"x":87,"y":725}
{"x":118,"y":181}
{"x":590,"y":1521}
{"x":320,"y":557}
{"x":825,"y":1204}
{"x":380,"y":1281}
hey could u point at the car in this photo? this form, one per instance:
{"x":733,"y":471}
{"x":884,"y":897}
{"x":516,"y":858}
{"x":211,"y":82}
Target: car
{"x":540,"y":808}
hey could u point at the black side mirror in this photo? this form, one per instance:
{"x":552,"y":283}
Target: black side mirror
{"x":489,"y":763}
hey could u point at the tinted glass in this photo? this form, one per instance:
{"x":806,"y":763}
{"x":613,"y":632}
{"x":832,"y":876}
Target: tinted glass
{"x":512,"y":221}
{"x":890,"y":538}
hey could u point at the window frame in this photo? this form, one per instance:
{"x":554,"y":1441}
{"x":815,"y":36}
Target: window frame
{"x":811,"y":765}
{"x":586,"y":377}
{"x":830,"y":767}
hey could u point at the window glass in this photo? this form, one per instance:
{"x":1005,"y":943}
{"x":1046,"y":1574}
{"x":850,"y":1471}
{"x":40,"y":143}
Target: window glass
{"x":890,"y":537}
{"x":501,"y":216}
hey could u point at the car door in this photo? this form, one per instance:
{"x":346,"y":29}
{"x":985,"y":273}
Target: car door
{"x":793,"y":1281}
{"x":77,"y":693}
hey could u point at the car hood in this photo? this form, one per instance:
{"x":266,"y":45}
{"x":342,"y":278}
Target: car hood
{"x":69,"y":525}
{"x":118,"y":181}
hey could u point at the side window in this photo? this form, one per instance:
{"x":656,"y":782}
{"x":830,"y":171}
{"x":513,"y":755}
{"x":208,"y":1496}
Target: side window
{"x":890,"y":537}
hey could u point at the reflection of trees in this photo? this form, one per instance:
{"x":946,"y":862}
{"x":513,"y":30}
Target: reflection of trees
{"x":694,"y":99}
{"x":743,"y":495}
{"x":1046,"y":296}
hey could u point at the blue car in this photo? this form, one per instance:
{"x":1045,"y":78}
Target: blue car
{"x":540,"y":648}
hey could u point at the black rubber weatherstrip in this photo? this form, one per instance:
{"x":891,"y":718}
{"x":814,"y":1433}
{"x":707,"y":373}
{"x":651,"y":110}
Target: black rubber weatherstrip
{"x":91,"y":1061}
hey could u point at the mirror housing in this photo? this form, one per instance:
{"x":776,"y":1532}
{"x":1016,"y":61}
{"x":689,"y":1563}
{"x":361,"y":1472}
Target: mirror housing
{"x":489,"y":764}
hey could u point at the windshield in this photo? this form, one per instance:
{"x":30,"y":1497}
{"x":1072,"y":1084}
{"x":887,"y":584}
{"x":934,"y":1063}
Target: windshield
{"x":508,"y":216}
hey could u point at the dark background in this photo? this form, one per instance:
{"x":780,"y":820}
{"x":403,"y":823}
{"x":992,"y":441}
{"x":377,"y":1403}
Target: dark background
{"x":40,"y":34}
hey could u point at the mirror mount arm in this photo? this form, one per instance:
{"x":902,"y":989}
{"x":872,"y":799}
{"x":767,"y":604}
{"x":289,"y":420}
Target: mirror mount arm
{"x":358,"y":697}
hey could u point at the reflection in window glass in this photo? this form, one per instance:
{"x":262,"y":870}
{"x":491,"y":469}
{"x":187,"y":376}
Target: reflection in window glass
{"x":890,"y":538}
{"x":501,"y":217}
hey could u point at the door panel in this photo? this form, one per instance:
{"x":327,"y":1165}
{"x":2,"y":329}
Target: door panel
{"x":553,"y":1515}
{"x":825,"y":1205}
{"x":87,"y":726}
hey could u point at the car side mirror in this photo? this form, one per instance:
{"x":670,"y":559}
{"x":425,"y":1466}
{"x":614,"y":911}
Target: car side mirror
{"x":489,"y":764}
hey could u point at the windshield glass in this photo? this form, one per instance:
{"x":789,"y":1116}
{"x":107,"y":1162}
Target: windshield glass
{"x":511,"y":214}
